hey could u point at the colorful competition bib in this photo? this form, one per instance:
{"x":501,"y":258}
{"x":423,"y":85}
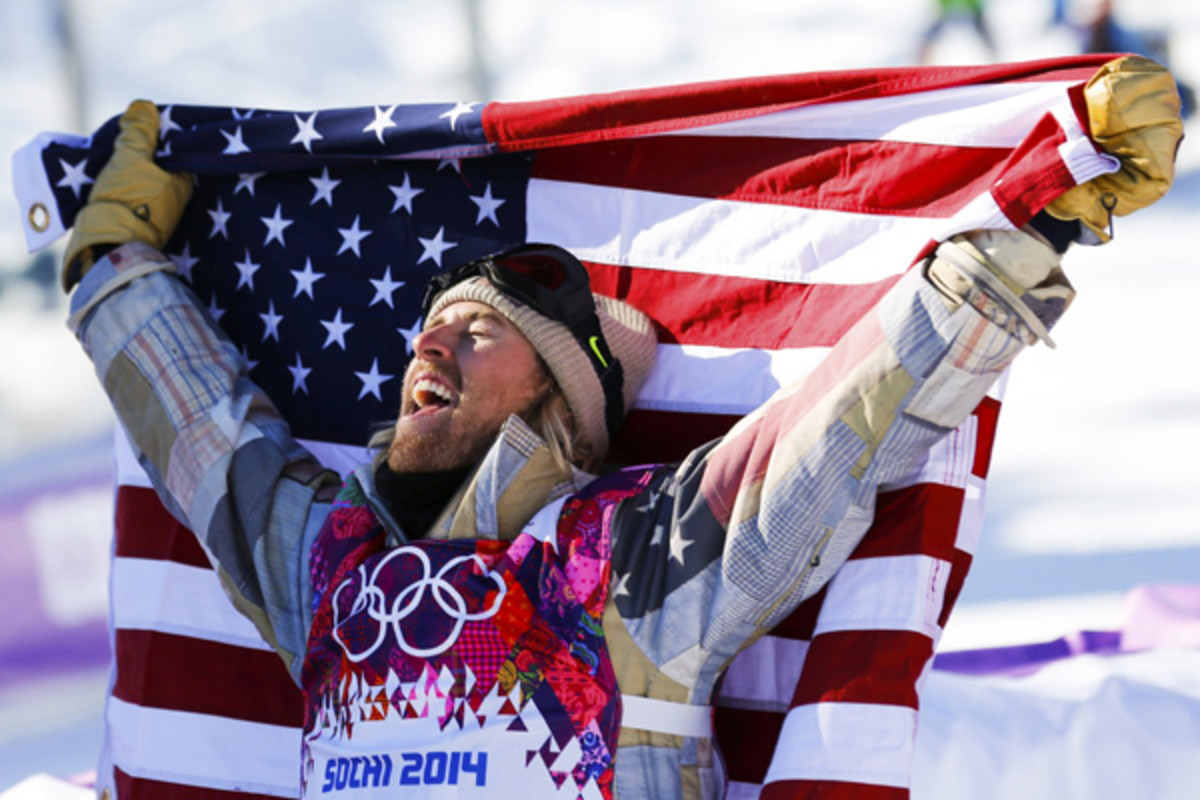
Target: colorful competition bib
{"x":465,"y":668}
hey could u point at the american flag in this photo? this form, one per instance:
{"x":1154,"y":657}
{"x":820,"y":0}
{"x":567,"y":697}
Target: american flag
{"x":754,"y":220}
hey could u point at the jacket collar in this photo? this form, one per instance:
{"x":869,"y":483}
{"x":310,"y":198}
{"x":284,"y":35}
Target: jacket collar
{"x":516,"y":478}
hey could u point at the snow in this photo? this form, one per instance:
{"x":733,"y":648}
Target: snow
{"x":1095,"y":486}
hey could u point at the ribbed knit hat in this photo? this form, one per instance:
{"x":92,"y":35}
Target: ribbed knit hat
{"x":629,"y":334}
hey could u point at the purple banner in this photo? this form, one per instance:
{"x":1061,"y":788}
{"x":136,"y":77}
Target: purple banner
{"x":56,"y":521}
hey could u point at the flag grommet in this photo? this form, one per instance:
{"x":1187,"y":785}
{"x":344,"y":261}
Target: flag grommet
{"x":39,"y":217}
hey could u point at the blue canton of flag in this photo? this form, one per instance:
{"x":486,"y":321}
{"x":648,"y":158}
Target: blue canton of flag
{"x":260,"y":244}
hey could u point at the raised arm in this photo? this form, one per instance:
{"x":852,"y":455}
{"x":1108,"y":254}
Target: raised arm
{"x":220,"y":457}
{"x":722,"y":548}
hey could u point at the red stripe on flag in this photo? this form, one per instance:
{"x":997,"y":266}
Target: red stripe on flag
{"x":144,"y":529}
{"x":663,"y":437}
{"x":915,"y":520}
{"x":987,"y":415}
{"x":873,"y":666}
{"x":1034,"y":174}
{"x":747,"y":741}
{"x":180,"y":673}
{"x":864,"y":177}
{"x":604,"y":117}
{"x":724,"y":310}
{"x":960,"y":565}
{"x":801,"y":623}
{"x":130,"y":788}
{"x":830,"y":790}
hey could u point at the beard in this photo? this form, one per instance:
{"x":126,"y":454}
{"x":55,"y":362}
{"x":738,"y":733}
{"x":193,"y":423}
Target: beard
{"x":437,"y":440}
{"x":436,"y":450}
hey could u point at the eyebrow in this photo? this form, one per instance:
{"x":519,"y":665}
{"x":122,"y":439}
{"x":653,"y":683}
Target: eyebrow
{"x":486,"y":313}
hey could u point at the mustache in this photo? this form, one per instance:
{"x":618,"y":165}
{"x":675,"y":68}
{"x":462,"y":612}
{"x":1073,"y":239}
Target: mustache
{"x":418,"y":367}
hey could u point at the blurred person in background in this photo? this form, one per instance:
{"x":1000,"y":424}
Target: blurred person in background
{"x":955,"y":12}
{"x":1105,"y":33}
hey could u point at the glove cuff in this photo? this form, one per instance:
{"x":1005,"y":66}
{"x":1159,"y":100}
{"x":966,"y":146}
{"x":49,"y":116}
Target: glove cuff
{"x":99,"y":227}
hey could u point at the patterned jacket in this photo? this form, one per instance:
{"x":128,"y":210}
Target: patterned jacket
{"x":703,"y":556}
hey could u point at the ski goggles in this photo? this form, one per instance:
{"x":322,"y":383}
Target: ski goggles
{"x":551,"y":281}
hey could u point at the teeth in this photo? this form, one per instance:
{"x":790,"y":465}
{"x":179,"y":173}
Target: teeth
{"x":426,"y":386}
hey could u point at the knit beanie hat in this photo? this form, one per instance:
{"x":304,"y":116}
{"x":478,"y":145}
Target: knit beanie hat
{"x":629,"y":334}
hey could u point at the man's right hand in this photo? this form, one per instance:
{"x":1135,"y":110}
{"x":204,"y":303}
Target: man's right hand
{"x":132,"y":200}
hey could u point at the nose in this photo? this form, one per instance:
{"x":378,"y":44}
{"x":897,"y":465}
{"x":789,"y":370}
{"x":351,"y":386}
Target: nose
{"x":432,"y":344}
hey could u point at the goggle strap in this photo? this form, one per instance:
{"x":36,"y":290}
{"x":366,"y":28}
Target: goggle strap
{"x":609,"y":370}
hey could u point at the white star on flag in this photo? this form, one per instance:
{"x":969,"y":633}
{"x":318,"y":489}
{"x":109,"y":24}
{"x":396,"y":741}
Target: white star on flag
{"x":372,"y":381}
{"x":404,"y":195}
{"x":214,"y":310}
{"x":385,"y":287}
{"x":336,"y":329}
{"x":234,"y":144}
{"x":299,"y":376}
{"x":271,"y":322}
{"x":219,"y":217}
{"x":487,"y":206}
{"x":383,"y":121}
{"x":351,"y":237}
{"x":305,"y":279}
{"x":324,"y":186}
{"x":456,"y":112}
{"x":433,"y":248}
{"x":74,"y":176}
{"x":246,"y":269}
{"x":307,"y":131}
{"x":678,"y":545}
{"x":410,"y":334}
{"x":184,"y":262}
{"x":276,"y":225}
{"x":250,"y":362}
{"x":246,"y":181}
{"x":165,"y":123}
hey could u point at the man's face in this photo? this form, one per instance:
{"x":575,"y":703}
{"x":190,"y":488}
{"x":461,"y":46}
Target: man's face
{"x":471,"y":369}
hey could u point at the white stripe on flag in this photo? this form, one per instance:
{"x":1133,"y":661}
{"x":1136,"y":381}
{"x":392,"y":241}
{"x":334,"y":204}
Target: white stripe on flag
{"x":737,"y":790}
{"x":886,"y":593}
{"x":962,"y":116}
{"x":764,"y":675}
{"x":201,"y":750}
{"x":846,"y":742}
{"x":175,"y":598}
{"x":1078,"y":153}
{"x":722,"y":380}
{"x":970,"y":521}
{"x":723,"y":237}
{"x":341,"y":458}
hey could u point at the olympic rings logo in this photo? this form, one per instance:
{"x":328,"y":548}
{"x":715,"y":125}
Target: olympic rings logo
{"x":372,"y":601}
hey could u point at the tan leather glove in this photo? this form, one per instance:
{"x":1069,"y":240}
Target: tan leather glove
{"x":1133,"y":114}
{"x":132,"y":199}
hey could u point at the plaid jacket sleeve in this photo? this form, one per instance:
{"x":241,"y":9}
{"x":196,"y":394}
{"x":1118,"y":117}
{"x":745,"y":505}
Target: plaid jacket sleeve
{"x":221,"y":459}
{"x":720,"y":549}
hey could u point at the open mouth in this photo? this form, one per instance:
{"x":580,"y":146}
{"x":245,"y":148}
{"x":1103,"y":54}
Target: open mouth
{"x":429,"y":395}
